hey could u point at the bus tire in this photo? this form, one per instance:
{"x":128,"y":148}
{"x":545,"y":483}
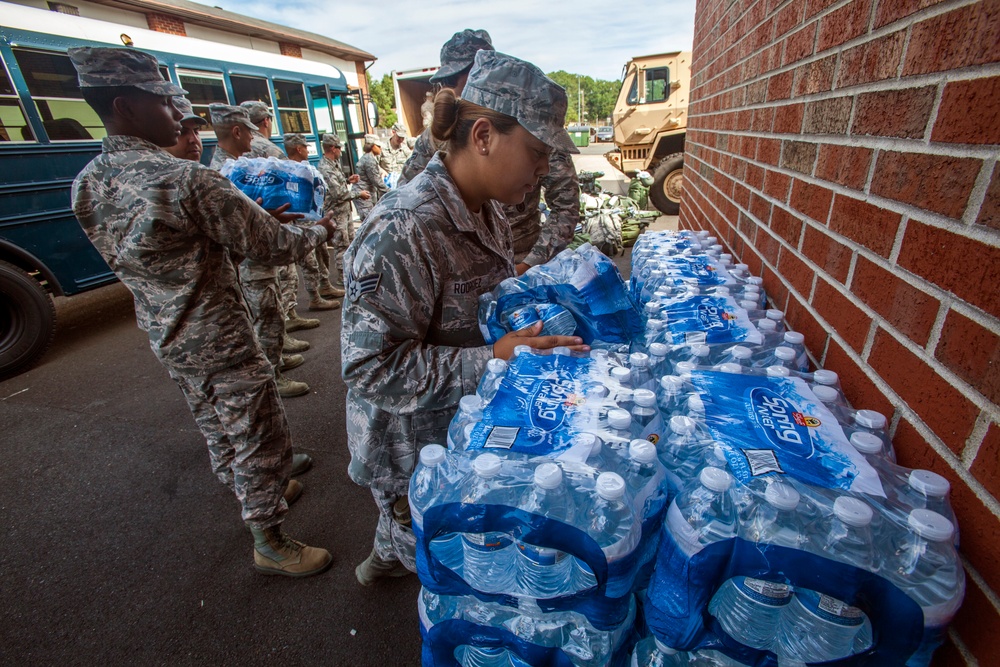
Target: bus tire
{"x":27,"y":320}
{"x":668,"y":184}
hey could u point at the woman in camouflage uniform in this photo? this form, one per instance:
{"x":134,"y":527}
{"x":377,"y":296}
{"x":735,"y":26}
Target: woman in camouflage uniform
{"x":411,"y":343}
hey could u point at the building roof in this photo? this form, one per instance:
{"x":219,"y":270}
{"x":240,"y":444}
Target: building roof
{"x":220,"y":19}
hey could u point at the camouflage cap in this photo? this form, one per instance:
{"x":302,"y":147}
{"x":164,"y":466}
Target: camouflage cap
{"x":183,"y":105}
{"x":104,"y":66}
{"x":258,"y":111}
{"x":331,"y":141}
{"x":517,"y":88}
{"x":459,"y":52}
{"x":372,"y":140}
{"x":225,"y":114}
{"x":293,"y":139}
{"x":399,"y":129}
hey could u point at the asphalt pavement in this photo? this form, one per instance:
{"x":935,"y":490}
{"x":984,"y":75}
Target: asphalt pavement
{"x":121,"y":547}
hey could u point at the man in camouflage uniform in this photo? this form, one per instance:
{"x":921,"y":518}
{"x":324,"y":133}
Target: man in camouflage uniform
{"x":167,"y":228}
{"x":533,"y":243}
{"x":394,"y":156}
{"x":339,"y":196}
{"x":427,"y":110}
{"x":189,"y":146}
{"x":410,"y":341}
{"x":261,"y":116}
{"x":369,"y":176}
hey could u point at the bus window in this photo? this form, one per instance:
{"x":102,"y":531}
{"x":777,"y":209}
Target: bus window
{"x":292,"y":107}
{"x":203,"y":88}
{"x":321,"y":110}
{"x":13,"y":126}
{"x":251,"y":88}
{"x":52,"y":83}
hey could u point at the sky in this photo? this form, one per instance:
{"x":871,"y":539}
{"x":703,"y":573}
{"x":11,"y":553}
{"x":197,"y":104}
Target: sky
{"x":588,"y":37}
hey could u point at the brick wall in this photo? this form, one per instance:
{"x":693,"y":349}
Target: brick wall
{"x":847,"y":151}
{"x":166,"y":23}
{"x":289,"y":49}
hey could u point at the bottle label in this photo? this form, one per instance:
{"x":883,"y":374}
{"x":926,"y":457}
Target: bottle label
{"x":765,"y":592}
{"x":717,"y":319}
{"x":487,"y":542}
{"x":653,"y":431}
{"x":831,"y":609}
{"x":541,"y":556}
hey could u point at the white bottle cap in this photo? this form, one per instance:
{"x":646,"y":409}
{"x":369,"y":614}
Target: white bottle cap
{"x":496,"y":366}
{"x":685,"y":368}
{"x":562,"y":351}
{"x":852,"y":511}
{"x":775,"y":314}
{"x":825,"y":394}
{"x":715,"y":479}
{"x":702,"y":233}
{"x":750,"y":288}
{"x":598,"y":354}
{"x":740,"y":352}
{"x":587,"y":441}
{"x":709,"y":240}
{"x":767,"y":326}
{"x":743,"y":267}
{"x":747,"y":304}
{"x":731,"y":368}
{"x":778,"y":372}
{"x":672,"y":383}
{"x":619,"y":419}
{"x":931,"y":525}
{"x":785,"y":353}
{"x":682,"y":425}
{"x":658,"y":350}
{"x":825,"y":377}
{"x":610,"y":486}
{"x":794,"y":338}
{"x":700,"y":351}
{"x":866,"y":443}
{"x":782,"y":496}
{"x":470,"y":404}
{"x":726,"y":257}
{"x":486,"y":465}
{"x":521,"y":349}
{"x":548,"y":476}
{"x":717,"y":248}
{"x":652,"y":309}
{"x":642,"y":451}
{"x":929,"y":483}
{"x":695,"y":404}
{"x":644,"y":398}
{"x":870,"y":419}
{"x":431,"y":455}
{"x":755,"y":280}
{"x":638,"y":359}
{"x":722,"y":291}
{"x":620,"y":373}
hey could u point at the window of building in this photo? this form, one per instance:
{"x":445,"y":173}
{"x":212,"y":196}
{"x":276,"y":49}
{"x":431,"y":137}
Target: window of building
{"x":52,"y":83}
{"x":657,"y":84}
{"x":203,"y":88}
{"x":292,"y":107}
{"x":13,"y":125}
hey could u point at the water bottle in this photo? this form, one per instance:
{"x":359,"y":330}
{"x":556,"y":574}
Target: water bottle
{"x":670,"y":397}
{"x":519,"y":350}
{"x":478,"y":656}
{"x":705,"y":513}
{"x":775,"y":371}
{"x":543,"y":572}
{"x":776,"y":520}
{"x":797,"y":342}
{"x":848,"y":537}
{"x":641,"y":377}
{"x":870,"y":446}
{"x":656,"y":332}
{"x":431,"y":484}
{"x":778,"y":317}
{"x":489,"y":564}
{"x":737,"y":355}
{"x":651,"y":652}
{"x":641,"y":469}
{"x":749,"y":609}
{"x":612,"y":523}
{"x":645,"y":413}
{"x":470,"y":411}
{"x":780,"y":356}
{"x":697,"y":354}
{"x":817,"y":628}
{"x":681,"y":451}
{"x":928,"y":490}
{"x":875,"y":423}
{"x":830,"y":397}
{"x":623,"y":377}
{"x":658,"y":363}
{"x":769,"y":331}
{"x":619,"y":428}
{"x":496,"y":369}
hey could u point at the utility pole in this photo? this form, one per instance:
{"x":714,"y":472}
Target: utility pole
{"x":579,"y":103}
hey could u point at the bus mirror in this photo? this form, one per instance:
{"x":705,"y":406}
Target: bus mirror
{"x":372,"y":113}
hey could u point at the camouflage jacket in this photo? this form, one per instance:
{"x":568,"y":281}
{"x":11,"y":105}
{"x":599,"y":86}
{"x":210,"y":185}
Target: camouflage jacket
{"x":220,"y":157}
{"x":394,"y":159}
{"x":410,"y":338}
{"x":166,"y":227}
{"x":261,"y":146}
{"x":370,"y":177}
{"x":338,"y":191}
{"x":533,"y":244}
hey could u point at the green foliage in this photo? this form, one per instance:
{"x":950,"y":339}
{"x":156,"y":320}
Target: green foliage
{"x":598,"y":97}
{"x":384,"y":98}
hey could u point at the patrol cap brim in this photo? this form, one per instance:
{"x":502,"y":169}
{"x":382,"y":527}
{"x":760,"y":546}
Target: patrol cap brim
{"x":196,"y":117}
{"x":558,"y":140}
{"x":448,"y":71}
{"x":160,"y":88}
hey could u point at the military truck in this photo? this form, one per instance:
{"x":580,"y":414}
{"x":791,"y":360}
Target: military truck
{"x":411,"y":88}
{"x":650,"y":122}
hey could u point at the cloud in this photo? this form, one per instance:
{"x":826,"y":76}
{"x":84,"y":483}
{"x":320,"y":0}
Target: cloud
{"x":588,"y":37}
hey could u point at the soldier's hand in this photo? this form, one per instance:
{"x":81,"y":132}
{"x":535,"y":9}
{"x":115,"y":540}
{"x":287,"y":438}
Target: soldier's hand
{"x":327,"y":223}
{"x":364,"y":194}
{"x":279,"y":213}
{"x":353,"y":178}
{"x":504,"y":348}
{"x":522,"y":268}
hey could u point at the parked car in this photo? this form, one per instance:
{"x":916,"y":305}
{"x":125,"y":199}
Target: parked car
{"x":605,"y":133}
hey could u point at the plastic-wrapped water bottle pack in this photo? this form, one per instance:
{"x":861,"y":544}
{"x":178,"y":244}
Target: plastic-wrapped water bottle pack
{"x":279,"y":182}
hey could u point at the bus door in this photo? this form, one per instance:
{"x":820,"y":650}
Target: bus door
{"x":331,"y":113}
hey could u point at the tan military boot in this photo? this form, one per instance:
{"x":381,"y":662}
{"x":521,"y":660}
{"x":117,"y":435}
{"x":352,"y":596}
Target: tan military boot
{"x":293,"y":345}
{"x":290,"y":388}
{"x":328,"y":291}
{"x":316,"y":302}
{"x":290,"y":361}
{"x":374,"y":568}
{"x":292,"y":491}
{"x":276,"y":553}
{"x":294,"y":323}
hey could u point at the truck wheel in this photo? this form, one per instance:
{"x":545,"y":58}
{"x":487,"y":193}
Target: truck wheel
{"x":668,"y":184}
{"x":27,"y":320}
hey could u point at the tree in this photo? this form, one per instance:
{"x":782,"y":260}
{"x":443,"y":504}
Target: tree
{"x":384,"y":98}
{"x":598,"y":97}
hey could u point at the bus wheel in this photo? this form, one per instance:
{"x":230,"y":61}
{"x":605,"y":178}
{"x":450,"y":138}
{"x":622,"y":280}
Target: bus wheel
{"x":27,"y":320}
{"x":668,"y":183}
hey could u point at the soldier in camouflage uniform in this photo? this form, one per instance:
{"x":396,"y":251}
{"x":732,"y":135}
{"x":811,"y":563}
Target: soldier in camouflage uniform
{"x":189,"y":146}
{"x":395,"y":155}
{"x":533,"y":243}
{"x":369,"y":176}
{"x":427,"y":109}
{"x":410,"y":340}
{"x":167,"y":228}
{"x":339,"y":196}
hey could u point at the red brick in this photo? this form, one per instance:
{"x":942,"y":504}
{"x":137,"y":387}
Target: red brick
{"x":799,"y":44}
{"x":816,"y":6}
{"x":846,"y":165}
{"x":844,"y":24}
{"x":796,"y":272}
{"x":829,"y":116}
{"x":876,"y":60}
{"x":986,"y":467}
{"x":788,"y":17}
{"x":767,"y":245}
{"x":914,"y":451}
{"x":763,"y":119}
{"x":786,"y":225}
{"x":832,"y":257}
{"x":844,"y":317}
{"x":973,"y":353}
{"x":967,"y":268}
{"x":856,"y":380}
{"x":741,"y":196}
{"x":769,"y":151}
{"x":937,"y":183}
{"x":753,"y":259}
{"x":799,"y":156}
{"x":760,"y":208}
{"x":893,"y":10}
{"x":755,"y":176}
{"x":946,"y":411}
{"x":814,"y":77}
{"x":779,"y":86}
{"x":967,"y":36}
{"x":978,"y":623}
{"x":800,"y":319}
{"x":288,"y":49}
{"x":907,"y":309}
{"x":894,"y":113}
{"x":776,"y":185}
{"x":867,"y":224}
{"x":989,"y":213}
{"x":788,"y":119}
{"x":771,"y":58}
{"x":777,"y":292}
{"x":969,"y":112}
{"x":166,"y":23}
{"x":812,"y":200}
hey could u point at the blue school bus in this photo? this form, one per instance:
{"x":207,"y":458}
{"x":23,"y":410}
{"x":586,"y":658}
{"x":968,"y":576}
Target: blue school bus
{"x":48,"y":134}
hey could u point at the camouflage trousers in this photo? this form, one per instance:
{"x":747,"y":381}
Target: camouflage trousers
{"x":393,"y":540}
{"x":264,"y":300}
{"x":239,"y":412}
{"x":364,"y":207}
{"x":345,"y":227}
{"x":288,"y":279}
{"x":323,"y":262}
